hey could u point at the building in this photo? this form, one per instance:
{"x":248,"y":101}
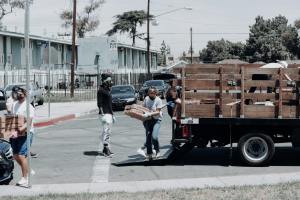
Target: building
{"x":126,"y":63}
{"x":12,"y":58}
{"x":187,"y":58}
{"x":12,"y":52}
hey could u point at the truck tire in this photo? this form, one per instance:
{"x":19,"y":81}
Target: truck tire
{"x":256,"y":149}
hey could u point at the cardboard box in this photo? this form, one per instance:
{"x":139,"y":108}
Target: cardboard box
{"x":9,"y":124}
{"x":136,"y":111}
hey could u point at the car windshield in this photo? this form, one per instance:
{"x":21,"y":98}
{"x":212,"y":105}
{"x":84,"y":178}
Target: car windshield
{"x":154,"y":83}
{"x":122,"y":90}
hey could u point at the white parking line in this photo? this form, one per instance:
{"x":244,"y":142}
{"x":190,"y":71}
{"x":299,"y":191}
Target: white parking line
{"x":101,"y":168}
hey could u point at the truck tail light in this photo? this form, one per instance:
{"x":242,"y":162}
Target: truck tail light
{"x":185,"y":131}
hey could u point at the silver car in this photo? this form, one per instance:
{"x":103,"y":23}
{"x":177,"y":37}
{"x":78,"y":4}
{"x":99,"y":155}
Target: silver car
{"x":36,"y":93}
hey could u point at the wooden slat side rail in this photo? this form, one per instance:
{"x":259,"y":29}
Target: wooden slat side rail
{"x":183,"y":92}
{"x":221,"y":93}
{"x":271,"y":71}
{"x":213,"y":76}
{"x":259,"y":83}
{"x":298,"y":101}
{"x":251,"y":111}
{"x":224,"y":65}
{"x":194,"y":84}
{"x":280,"y":94}
{"x":259,"y":111}
{"x":203,"y":110}
{"x":242,"y":109}
{"x":202,"y":95}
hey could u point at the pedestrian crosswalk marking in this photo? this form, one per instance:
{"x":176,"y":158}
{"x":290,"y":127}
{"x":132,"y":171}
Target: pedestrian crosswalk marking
{"x":101,"y":168}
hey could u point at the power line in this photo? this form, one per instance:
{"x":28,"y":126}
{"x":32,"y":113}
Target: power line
{"x":200,"y":33}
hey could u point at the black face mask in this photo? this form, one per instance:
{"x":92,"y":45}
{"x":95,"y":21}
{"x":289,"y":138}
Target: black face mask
{"x":152,"y":98}
{"x":20,"y":98}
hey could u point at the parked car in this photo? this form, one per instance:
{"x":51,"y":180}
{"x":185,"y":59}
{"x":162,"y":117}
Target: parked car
{"x":2,"y":100}
{"x":36,"y":93}
{"x":123,"y":95}
{"x":160,"y":85}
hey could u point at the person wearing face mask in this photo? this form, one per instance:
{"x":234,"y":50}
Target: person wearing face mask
{"x":11,"y":100}
{"x":152,"y":123}
{"x":19,"y":141}
{"x":104,"y":101}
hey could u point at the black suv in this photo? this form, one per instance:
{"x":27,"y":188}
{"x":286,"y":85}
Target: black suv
{"x":160,"y":85}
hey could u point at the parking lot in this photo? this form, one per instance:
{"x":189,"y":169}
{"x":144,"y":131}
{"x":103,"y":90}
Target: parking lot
{"x":68,"y":153}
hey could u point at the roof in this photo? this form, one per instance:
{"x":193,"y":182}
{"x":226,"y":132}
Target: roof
{"x":293,"y":61}
{"x":135,"y":47}
{"x":35,"y":37}
{"x":232,"y":61}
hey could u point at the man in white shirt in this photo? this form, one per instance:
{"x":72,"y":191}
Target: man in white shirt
{"x":19,"y":143}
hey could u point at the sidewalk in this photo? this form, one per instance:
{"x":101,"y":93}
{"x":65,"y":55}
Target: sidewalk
{"x":62,"y":112}
{"x":143,"y":186}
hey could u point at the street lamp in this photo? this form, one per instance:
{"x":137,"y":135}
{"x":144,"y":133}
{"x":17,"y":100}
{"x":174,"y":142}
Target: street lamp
{"x":155,"y":23}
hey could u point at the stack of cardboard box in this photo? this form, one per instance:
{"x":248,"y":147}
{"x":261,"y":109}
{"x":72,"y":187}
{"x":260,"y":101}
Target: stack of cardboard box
{"x":9,"y":124}
{"x":136,"y":111}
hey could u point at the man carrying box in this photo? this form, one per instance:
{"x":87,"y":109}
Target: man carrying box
{"x":19,"y":139}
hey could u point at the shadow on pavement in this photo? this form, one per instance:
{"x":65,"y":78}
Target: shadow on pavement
{"x":93,"y":153}
{"x":284,"y":156}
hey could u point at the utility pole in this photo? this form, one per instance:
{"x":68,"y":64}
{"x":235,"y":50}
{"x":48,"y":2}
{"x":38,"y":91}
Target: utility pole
{"x":191,"y":45}
{"x":148,"y":42}
{"x":28,"y":127}
{"x":73,"y":49}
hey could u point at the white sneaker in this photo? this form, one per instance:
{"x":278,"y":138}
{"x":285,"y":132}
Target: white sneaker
{"x":23,"y":182}
{"x":149,"y":157}
{"x":157,"y":155}
{"x":141,"y":152}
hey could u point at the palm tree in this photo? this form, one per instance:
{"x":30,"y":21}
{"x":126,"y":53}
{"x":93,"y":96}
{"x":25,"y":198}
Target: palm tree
{"x":128,"y":22}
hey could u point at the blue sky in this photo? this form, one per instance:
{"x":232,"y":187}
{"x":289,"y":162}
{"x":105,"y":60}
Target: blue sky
{"x":208,"y":16}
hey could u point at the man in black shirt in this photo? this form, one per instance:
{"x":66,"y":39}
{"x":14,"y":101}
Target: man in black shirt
{"x":104,"y":101}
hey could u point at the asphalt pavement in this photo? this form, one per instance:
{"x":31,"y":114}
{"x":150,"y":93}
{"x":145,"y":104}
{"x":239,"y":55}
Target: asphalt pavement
{"x":69,"y":153}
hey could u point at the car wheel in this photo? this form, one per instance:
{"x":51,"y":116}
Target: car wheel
{"x":256,"y":149}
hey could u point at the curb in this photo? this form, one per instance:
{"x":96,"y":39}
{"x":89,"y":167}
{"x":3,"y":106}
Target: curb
{"x":146,"y":186}
{"x":53,"y":121}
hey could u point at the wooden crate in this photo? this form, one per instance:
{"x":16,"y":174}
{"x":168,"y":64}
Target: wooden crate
{"x":213,"y":90}
{"x":10,"y":123}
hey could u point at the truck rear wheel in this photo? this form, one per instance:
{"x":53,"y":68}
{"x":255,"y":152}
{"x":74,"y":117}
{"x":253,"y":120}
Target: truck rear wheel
{"x":256,"y":149}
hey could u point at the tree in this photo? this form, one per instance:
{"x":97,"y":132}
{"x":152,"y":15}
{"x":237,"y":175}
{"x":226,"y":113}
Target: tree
{"x":128,"y":22}
{"x":297,"y":24}
{"x":164,"y":51}
{"x":86,"y":20}
{"x":221,"y":49}
{"x":271,"y":40}
{"x":8,"y":6}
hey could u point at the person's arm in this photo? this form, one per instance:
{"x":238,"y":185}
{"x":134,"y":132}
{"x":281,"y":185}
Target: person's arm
{"x":158,"y":109}
{"x":22,"y":129}
{"x":9,"y":104}
{"x":100,"y":102}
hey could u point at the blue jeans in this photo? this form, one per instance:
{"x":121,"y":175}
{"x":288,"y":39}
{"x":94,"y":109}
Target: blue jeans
{"x":152,"y":131}
{"x":19,"y":144}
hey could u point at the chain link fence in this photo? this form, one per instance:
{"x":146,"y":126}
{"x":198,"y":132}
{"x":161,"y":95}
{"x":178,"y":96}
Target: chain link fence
{"x":59,"y":82}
